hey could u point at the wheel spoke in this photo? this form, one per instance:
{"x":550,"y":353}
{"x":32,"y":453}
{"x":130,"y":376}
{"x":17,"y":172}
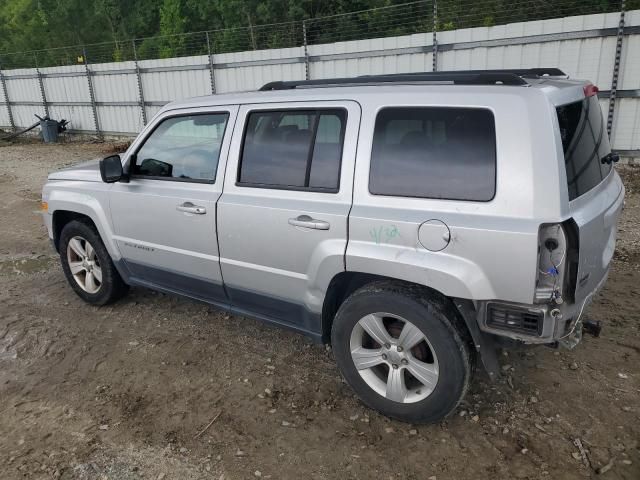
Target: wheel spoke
{"x":410,"y":336}
{"x":373,"y":325}
{"x":76,"y":246}
{"x":90,"y":251}
{"x":366,"y":357}
{"x":97,"y":273}
{"x":425,"y":373}
{"x":396,"y":388}
{"x":89,"y":282}
{"x":76,"y":267}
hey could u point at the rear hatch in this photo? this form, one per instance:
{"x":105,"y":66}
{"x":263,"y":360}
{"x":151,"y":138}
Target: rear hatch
{"x":595,"y":190}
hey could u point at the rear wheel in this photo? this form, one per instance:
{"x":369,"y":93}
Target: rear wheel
{"x":402,"y":352}
{"x":88,"y":266}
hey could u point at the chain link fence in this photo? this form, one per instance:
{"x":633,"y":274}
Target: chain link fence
{"x":394,"y":20}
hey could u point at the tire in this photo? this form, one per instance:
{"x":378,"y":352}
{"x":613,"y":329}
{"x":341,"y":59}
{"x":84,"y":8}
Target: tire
{"x":442,"y":360}
{"x":88,"y":266}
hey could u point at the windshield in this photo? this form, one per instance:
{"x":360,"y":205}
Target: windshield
{"x":585,"y":143}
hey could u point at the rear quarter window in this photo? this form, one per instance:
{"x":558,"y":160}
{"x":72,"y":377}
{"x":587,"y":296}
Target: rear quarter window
{"x":434,"y":152}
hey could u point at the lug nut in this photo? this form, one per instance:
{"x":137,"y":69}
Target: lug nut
{"x":405,"y":361}
{"x":395,"y":367}
{"x":384,"y":356}
{"x":387,"y":346}
{"x":400,"y":348}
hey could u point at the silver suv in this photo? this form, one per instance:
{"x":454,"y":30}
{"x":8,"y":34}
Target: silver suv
{"x":417,"y":222}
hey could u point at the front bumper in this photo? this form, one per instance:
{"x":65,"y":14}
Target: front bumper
{"x":47,"y":219}
{"x":558,"y":323}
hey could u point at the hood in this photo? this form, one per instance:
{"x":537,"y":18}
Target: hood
{"x":86,"y":171}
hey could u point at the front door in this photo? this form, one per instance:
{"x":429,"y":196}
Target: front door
{"x":165,"y":218}
{"x":282,"y":218}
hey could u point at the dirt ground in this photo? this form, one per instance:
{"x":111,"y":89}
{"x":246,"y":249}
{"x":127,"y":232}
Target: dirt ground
{"x":129,"y":391}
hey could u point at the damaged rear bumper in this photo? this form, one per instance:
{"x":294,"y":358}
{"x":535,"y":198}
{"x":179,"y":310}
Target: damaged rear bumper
{"x":536,"y":324}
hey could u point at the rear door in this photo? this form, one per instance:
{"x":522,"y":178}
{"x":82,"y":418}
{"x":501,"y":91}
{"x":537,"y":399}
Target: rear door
{"x":164,"y":218}
{"x":282,"y":218}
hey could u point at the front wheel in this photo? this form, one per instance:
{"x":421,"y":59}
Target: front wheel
{"x":402,"y":352}
{"x":88,"y":266}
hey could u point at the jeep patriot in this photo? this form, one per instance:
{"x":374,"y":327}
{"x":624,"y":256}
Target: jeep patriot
{"x":416,"y":222}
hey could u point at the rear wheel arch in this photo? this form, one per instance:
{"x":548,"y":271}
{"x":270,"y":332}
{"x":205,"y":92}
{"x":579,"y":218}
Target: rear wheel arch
{"x":345,"y":283}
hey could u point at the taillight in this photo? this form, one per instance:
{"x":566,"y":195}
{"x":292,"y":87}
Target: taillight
{"x":552,"y":264}
{"x":590,"y":90}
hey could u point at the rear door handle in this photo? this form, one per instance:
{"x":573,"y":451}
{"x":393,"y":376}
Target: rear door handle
{"x":305,"y":221}
{"x":189,"y":207}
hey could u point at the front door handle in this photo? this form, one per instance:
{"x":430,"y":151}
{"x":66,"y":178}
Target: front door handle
{"x":305,"y":221}
{"x":189,"y":207}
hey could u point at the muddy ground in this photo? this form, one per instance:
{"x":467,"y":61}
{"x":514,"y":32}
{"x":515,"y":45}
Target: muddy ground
{"x":128,"y":391}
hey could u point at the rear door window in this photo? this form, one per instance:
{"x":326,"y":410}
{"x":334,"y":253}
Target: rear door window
{"x":585,"y":143}
{"x":434,"y":152}
{"x":293,"y":149}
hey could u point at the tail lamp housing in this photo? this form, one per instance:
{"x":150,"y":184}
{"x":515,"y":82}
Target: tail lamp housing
{"x":553,"y":249}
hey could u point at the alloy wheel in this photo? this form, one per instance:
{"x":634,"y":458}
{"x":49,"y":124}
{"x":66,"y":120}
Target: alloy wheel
{"x":84,"y":264}
{"x":394,"y":357}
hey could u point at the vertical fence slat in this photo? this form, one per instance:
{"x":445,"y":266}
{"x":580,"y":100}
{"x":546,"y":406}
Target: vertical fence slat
{"x":434,"y":48}
{"x":43,"y":95}
{"x":143,"y":109}
{"x":307,"y":73}
{"x":92,"y":96}
{"x":616,"y":70}
{"x":7,"y":102}
{"x":211,"y":71}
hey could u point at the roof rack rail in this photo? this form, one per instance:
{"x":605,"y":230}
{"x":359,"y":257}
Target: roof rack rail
{"x":462,"y":77}
{"x":521,"y":72}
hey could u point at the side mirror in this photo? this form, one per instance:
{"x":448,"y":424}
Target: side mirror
{"x":111,"y":169}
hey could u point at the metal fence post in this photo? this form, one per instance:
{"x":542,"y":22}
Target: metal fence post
{"x":7,"y":102}
{"x":211,"y":72}
{"x":616,"y":70}
{"x":307,"y":74}
{"x":41,"y":84}
{"x":139,"y":80}
{"x":434,"y":47}
{"x":92,"y":95}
